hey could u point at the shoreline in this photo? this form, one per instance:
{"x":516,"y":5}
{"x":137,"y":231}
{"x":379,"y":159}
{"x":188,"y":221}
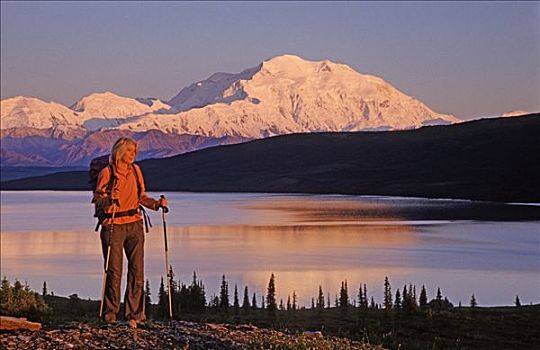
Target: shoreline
{"x":363,"y":196}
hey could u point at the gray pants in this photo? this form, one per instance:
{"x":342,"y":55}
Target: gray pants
{"x":128,"y":237}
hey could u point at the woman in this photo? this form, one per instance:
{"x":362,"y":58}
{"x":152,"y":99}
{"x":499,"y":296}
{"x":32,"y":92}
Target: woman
{"x":119,"y":192}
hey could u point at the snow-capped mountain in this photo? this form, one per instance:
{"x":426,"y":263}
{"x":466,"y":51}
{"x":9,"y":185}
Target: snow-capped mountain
{"x":287,"y":95}
{"x":92,"y":112}
{"x":28,"y":112}
{"x":515,"y":113}
{"x":108,"y":104}
{"x":283,"y":95}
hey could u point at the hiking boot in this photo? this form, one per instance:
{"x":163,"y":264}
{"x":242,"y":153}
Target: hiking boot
{"x":132,"y":324}
{"x":110,"y":319}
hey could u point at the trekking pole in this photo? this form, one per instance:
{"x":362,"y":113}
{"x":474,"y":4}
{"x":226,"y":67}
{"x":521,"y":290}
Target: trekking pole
{"x":165,"y":210}
{"x":107,"y":262}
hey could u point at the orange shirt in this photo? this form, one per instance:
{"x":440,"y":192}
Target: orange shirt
{"x":128,"y":194}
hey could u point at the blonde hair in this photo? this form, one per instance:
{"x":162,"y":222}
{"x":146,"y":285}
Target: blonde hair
{"x":119,"y":148}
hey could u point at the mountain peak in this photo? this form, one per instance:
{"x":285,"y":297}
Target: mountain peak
{"x":109,"y":104}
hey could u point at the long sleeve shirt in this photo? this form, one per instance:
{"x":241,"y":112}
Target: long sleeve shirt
{"x":128,"y":194}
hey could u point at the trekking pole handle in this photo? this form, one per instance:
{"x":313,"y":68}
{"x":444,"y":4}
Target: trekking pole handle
{"x":165,"y":209}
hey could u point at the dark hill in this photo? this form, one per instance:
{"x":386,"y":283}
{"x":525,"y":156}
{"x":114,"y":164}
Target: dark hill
{"x":489,"y":159}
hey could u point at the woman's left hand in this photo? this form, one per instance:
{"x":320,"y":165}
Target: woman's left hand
{"x":163,"y":202}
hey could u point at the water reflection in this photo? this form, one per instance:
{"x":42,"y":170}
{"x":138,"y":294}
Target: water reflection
{"x":306,"y":241}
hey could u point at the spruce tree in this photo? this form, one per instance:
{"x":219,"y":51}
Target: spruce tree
{"x":406,"y":302}
{"x":473,"y":302}
{"x":312,"y":303}
{"x":397,"y":303}
{"x":44,"y":290}
{"x":147,"y":298}
{"x":438,"y":299}
{"x":254,"y":301}
{"x":162,"y":299}
{"x":328,"y":300}
{"x":320,"y":299}
{"x":365,"y":296}
{"x":373,"y":305}
{"x":294,"y":304}
{"x":245,"y":303}
{"x":517,"y":302}
{"x":423,"y":297}
{"x":224,"y":294}
{"x":236,"y":301}
{"x":387,"y":294}
{"x":289,"y":306}
{"x":343,"y":295}
{"x":281,"y":307}
{"x":271,"y":296}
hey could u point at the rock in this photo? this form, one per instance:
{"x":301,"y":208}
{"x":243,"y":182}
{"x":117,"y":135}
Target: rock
{"x":311,"y":334}
{"x":10,"y":323}
{"x":178,"y":335}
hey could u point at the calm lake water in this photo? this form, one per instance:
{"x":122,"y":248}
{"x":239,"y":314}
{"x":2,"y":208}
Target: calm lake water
{"x":463,"y":247}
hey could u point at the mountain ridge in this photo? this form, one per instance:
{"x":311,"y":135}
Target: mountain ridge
{"x":301,"y":95}
{"x":488,"y":159}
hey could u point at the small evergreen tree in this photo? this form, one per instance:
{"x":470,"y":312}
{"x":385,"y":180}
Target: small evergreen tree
{"x":294,"y":301}
{"x":147,"y":299}
{"x":406,"y":302}
{"x":245,"y":303}
{"x":312,"y":303}
{"x":289,"y":305}
{"x":423,"y":297}
{"x":271,"y":296}
{"x":328,"y":300}
{"x":397,"y":304}
{"x":162,"y":300}
{"x":236,"y":300}
{"x":320,"y":299}
{"x":473,"y":302}
{"x":254,"y":301}
{"x":365,"y":296}
{"x":438,"y":299}
{"x":44,"y":290}
{"x":224,"y":295}
{"x":343,"y":296}
{"x":387,"y":294}
{"x":517,"y":302}
{"x":373,"y":305}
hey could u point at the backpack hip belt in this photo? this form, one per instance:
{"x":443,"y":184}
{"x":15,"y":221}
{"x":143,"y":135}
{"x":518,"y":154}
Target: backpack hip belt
{"x":130,"y":212}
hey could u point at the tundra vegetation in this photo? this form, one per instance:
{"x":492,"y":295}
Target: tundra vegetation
{"x":406,"y":318}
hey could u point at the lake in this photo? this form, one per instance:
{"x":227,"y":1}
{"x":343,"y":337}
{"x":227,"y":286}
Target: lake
{"x":463,"y":247}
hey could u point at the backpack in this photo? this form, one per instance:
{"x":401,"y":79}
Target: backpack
{"x":96,"y":166}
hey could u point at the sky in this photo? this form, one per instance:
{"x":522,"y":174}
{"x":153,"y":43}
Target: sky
{"x":469,"y":59}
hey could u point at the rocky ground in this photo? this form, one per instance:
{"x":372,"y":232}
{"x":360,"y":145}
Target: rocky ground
{"x":178,"y":335}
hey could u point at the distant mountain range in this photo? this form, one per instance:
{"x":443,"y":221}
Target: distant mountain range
{"x":283,"y":95}
{"x":489,"y":159}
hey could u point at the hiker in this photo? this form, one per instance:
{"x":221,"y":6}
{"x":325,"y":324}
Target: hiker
{"x":120,"y":191}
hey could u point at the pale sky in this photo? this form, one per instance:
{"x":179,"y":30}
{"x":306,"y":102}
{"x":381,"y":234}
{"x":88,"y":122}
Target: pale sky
{"x":469,"y":59}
